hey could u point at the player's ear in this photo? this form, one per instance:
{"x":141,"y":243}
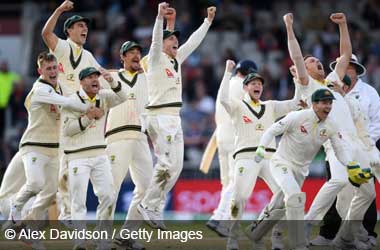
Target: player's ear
{"x":39,"y":71}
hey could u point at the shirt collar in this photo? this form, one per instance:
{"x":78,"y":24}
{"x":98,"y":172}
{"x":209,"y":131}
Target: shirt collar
{"x":248,"y":99}
{"x":75,"y":46}
{"x":84,"y":96}
{"x":314,"y":116}
{"x":127,"y":72}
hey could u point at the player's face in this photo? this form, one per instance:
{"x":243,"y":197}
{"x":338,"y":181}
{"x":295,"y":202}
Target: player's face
{"x":78,"y":32}
{"x":352,"y":74}
{"x":314,"y":67}
{"x":170,"y":46}
{"x":49,"y":71}
{"x":322,"y":108}
{"x":131,"y":59}
{"x":254,"y":89}
{"x":91,"y":85}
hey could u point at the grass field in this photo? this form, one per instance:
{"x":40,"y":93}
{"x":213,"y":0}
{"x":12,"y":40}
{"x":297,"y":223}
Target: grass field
{"x":209,"y":241}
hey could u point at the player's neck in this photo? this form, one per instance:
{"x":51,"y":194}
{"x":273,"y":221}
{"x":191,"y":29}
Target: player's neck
{"x":47,"y":81}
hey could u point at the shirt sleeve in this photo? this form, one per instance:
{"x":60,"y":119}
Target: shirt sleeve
{"x":340,"y":147}
{"x":281,"y":108}
{"x":48,"y":95}
{"x":193,"y":42}
{"x":73,"y":123}
{"x":334,"y":77}
{"x":223,"y":94}
{"x":156,"y":46}
{"x":374,"y":115}
{"x":115,"y":95}
{"x":62,"y":48}
{"x":277,"y":128}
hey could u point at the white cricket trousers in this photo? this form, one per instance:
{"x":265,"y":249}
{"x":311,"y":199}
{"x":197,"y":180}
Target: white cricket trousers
{"x":246,"y":171}
{"x":225,"y":142}
{"x":132,"y":154}
{"x":14,"y":178}
{"x":98,"y":171}
{"x":41,"y":173}
{"x":166,"y":134}
{"x":290,"y":179}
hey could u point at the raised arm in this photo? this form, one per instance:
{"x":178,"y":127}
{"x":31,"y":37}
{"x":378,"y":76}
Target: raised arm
{"x":157,"y":36}
{"x":281,"y":108}
{"x":48,"y":35}
{"x":223,"y":94}
{"x":345,"y":47}
{"x":196,"y":38}
{"x":295,"y":51}
{"x":117,"y":94}
{"x":47,"y":94}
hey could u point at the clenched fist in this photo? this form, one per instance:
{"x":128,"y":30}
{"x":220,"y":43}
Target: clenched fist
{"x":288,"y":19}
{"x":211,"y":13}
{"x":65,"y":6}
{"x":162,"y":9}
{"x":106,"y":75}
{"x":338,"y":18}
{"x":230,"y":65}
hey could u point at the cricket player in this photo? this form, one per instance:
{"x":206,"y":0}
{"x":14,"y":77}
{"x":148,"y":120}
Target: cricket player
{"x":162,"y":121}
{"x":225,"y":143}
{"x":310,"y":76}
{"x":84,"y":145}
{"x":303,"y":133}
{"x":127,"y":145}
{"x":39,"y":143}
{"x":250,"y":117}
{"x":72,"y":59}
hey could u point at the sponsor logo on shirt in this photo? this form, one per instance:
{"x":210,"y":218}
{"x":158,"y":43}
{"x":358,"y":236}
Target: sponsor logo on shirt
{"x":246,"y":119}
{"x":303,"y":129}
{"x":53,"y":108}
{"x":323,"y":132}
{"x":60,"y":68}
{"x":169,"y":74}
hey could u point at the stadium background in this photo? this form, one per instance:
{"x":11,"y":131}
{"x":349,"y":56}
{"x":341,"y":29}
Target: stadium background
{"x":241,"y":30}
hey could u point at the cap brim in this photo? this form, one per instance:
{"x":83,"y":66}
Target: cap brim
{"x":360,"y":69}
{"x":175,"y":33}
{"x":255,"y":78}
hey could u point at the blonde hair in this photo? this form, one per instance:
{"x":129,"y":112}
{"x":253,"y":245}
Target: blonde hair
{"x":45,"y":57}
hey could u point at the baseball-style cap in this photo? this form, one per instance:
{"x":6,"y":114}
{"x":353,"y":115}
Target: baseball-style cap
{"x":168,"y":33}
{"x":360,"y":69}
{"x":322,"y":94}
{"x":88,"y":71}
{"x":129,"y":45}
{"x":246,"y":66}
{"x":74,"y":19}
{"x":252,"y":76}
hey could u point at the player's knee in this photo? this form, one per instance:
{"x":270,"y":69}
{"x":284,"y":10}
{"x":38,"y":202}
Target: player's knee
{"x":296,"y":200}
{"x":35,"y":186}
{"x":107,"y":198}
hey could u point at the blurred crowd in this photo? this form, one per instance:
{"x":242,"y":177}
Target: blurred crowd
{"x":241,"y":30}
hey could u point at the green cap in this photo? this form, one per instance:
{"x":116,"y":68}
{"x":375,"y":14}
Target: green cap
{"x":168,"y":33}
{"x":252,"y":76}
{"x":346,"y":80}
{"x":88,"y":71}
{"x":322,"y":94}
{"x":129,"y":45}
{"x":74,"y":19}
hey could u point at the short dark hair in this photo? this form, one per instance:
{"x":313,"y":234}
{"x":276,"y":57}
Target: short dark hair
{"x":45,"y":57}
{"x":307,"y":56}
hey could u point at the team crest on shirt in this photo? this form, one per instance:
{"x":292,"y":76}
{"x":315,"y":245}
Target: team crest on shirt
{"x":75,"y":170}
{"x":303,"y":129}
{"x":246,"y":119}
{"x":70,"y":77}
{"x":34,"y":159}
{"x":259,"y":127}
{"x":241,"y":170}
{"x":169,"y":74}
{"x":323,"y":132}
{"x":112,"y":158}
{"x":131,"y":96}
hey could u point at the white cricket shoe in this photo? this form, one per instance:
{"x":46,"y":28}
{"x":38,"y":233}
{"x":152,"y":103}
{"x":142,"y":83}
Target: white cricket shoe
{"x":363,"y":245}
{"x":151,"y":217}
{"x":320,"y":241}
{"x":258,"y":245}
{"x":340,"y":244}
{"x":15,"y":214}
{"x":232,"y":244}
{"x":372,"y":240}
{"x":277,"y":240}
